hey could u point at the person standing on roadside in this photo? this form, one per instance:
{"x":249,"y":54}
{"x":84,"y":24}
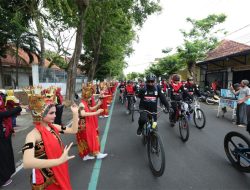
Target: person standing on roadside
{"x":7,"y":162}
{"x":241,"y":116}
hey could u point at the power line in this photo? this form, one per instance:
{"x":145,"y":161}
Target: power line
{"x":237,"y":30}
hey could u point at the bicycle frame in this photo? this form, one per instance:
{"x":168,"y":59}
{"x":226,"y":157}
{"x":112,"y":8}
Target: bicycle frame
{"x":180,"y":112}
{"x":196,"y":106}
{"x":241,"y":152}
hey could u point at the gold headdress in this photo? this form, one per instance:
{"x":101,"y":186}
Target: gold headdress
{"x":103,"y":86}
{"x":87,"y":91}
{"x":39,"y":103}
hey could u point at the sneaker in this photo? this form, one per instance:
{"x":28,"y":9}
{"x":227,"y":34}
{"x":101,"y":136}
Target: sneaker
{"x":106,"y":115}
{"x":101,"y":116}
{"x":139,"y":131}
{"x":127,"y":112}
{"x":101,"y":155}
{"x":7,"y":183}
{"x":88,"y":157}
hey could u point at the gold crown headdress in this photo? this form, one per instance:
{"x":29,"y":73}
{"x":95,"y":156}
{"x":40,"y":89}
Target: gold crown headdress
{"x":87,"y":91}
{"x":39,"y":103}
{"x":103,"y":85}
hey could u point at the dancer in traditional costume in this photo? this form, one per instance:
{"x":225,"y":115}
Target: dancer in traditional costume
{"x":87,"y":135}
{"x":104,"y":95}
{"x":7,"y":162}
{"x":43,"y":150}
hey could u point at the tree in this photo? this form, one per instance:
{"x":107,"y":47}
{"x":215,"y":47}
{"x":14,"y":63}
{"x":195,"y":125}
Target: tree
{"x":202,"y":37}
{"x":132,"y":75}
{"x":117,"y":18}
{"x":71,"y":13}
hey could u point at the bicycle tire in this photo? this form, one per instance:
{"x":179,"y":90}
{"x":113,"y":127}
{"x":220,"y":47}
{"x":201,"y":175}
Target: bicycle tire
{"x":132,"y":113}
{"x":155,"y":146}
{"x":144,"y":140}
{"x":233,"y":157}
{"x":195,"y":119}
{"x":172,"y":124}
{"x":184,"y":127}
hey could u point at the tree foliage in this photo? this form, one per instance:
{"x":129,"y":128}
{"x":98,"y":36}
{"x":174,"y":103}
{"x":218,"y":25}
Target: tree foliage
{"x":202,"y":37}
{"x":166,"y":66}
{"x":109,"y":31}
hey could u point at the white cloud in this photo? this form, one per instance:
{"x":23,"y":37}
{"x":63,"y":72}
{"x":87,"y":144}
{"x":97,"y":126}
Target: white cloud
{"x":161,"y":31}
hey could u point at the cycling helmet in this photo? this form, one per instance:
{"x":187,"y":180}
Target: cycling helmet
{"x":150,"y":77}
{"x":190,"y":79}
{"x":176,"y":78}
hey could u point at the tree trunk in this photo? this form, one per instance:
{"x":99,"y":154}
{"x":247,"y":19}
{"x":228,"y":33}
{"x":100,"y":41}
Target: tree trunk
{"x":41,"y":40}
{"x":91,"y":73}
{"x":191,"y":66}
{"x":1,"y":73}
{"x":97,"y":48}
{"x":17,"y":66}
{"x":71,"y":74}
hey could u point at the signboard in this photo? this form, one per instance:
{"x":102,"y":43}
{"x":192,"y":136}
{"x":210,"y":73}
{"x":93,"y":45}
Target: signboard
{"x":225,"y":93}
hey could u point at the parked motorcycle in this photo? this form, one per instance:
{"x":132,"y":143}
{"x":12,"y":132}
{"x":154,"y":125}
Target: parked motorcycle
{"x":209,"y":97}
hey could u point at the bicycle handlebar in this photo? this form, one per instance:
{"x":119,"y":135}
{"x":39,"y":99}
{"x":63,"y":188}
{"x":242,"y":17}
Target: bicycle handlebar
{"x":151,"y":113}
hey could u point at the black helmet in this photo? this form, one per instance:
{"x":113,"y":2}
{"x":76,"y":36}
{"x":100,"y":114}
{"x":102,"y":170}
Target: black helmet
{"x":176,"y":77}
{"x":150,"y":77}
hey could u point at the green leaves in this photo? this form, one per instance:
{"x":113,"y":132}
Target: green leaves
{"x":201,"y":38}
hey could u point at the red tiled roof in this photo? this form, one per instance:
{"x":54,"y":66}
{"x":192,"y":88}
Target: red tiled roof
{"x":10,"y":59}
{"x":226,"y":48}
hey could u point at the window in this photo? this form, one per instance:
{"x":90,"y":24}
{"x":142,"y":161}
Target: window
{"x":7,"y":80}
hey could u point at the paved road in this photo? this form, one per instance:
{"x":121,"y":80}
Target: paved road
{"x":199,"y":163}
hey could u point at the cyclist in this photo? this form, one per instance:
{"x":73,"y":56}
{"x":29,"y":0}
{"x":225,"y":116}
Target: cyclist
{"x":164,"y":86}
{"x":192,"y":90}
{"x":148,"y":100}
{"x":122,"y":87}
{"x":176,"y":93}
{"x":130,"y":94}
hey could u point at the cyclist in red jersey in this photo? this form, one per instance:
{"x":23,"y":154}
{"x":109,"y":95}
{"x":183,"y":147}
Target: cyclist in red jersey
{"x":130,"y":94}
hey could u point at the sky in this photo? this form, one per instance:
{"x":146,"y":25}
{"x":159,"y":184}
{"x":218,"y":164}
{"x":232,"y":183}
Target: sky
{"x":162,"y":30}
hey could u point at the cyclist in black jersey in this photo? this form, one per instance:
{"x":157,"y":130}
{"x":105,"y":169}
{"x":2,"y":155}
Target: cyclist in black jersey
{"x":148,"y":100}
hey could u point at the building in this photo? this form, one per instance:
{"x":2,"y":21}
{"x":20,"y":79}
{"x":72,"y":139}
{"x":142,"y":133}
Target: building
{"x":8,"y":67}
{"x":228,"y":63}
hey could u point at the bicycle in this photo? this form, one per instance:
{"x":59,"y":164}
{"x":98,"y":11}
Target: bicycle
{"x":237,"y":149}
{"x":122,"y":96}
{"x":130,"y":102}
{"x":155,"y":149}
{"x":198,"y":115}
{"x":180,"y":117}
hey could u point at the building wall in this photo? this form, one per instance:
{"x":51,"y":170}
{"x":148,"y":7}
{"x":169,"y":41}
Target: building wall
{"x":9,"y":74}
{"x":225,"y":71}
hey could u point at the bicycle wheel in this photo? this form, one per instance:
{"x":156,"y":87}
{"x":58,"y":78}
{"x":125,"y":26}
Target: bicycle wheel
{"x":156,"y":154}
{"x":184,"y":128}
{"x":132,"y":112}
{"x":122,"y":99}
{"x":170,"y":116}
{"x":199,"y":118}
{"x":237,"y":149}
